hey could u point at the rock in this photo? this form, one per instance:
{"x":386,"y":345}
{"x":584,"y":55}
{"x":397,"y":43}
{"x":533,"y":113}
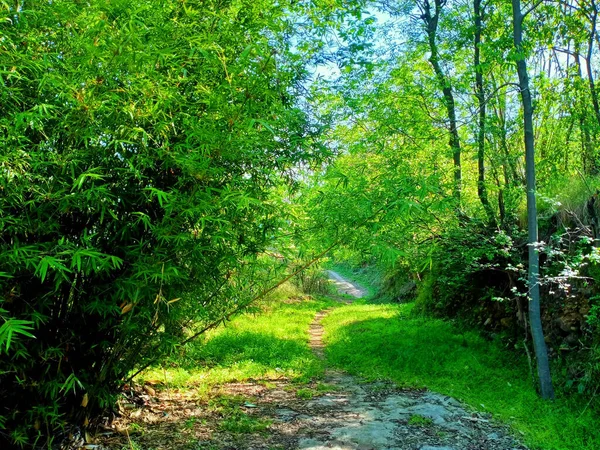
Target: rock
{"x":286,"y":415}
{"x":444,"y":400}
{"x":397,"y":402}
{"x":376,"y":433}
{"x":328,"y":401}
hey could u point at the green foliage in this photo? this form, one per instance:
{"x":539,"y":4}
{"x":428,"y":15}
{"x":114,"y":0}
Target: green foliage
{"x":420,"y":421}
{"x":313,"y":280}
{"x":11,"y":328}
{"x":473,"y":266}
{"x":141,"y":144}
{"x":305,"y":393}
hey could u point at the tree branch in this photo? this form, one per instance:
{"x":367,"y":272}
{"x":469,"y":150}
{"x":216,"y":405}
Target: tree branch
{"x":535,"y":5}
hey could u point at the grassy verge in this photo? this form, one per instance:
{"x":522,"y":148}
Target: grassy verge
{"x":385,"y":341}
{"x":267,"y":345}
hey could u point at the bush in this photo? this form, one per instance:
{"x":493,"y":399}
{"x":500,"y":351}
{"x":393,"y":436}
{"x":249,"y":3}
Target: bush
{"x":313,"y":280}
{"x":476,"y":272}
{"x":140,"y":141}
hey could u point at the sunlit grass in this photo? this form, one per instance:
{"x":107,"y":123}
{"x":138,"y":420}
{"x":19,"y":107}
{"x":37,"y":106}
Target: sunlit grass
{"x":386,"y":342}
{"x":380,"y":342}
{"x":271,"y":344}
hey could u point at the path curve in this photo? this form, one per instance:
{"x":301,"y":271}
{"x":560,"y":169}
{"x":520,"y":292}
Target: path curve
{"x":379,"y":416}
{"x":345,"y":286}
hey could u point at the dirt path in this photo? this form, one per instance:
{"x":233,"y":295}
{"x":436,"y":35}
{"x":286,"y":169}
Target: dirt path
{"x":345,"y":286}
{"x":315,"y":334}
{"x":378,"y":416}
{"x":338,"y":413}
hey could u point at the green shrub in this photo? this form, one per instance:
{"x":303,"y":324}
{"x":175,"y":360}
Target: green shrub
{"x":479,"y":277}
{"x":140,"y":142}
{"x":475,"y":268}
{"x":313,"y":280}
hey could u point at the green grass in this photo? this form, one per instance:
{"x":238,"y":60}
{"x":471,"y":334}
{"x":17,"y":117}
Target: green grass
{"x":420,"y":421}
{"x":377,"y":342}
{"x":305,"y":393}
{"x":269,"y":345}
{"x":387,"y":342}
{"x":240,"y":422}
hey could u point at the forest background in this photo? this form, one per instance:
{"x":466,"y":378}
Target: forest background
{"x":163,"y":165}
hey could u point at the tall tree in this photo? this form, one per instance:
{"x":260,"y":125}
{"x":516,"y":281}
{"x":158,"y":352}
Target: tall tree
{"x":535,"y":321}
{"x":141,"y":144}
{"x":431,"y":18}
{"x":480,"y":94}
{"x":592,"y":14}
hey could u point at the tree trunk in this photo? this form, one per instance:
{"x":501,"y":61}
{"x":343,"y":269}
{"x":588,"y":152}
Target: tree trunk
{"x":500,"y":107}
{"x":592,"y":167}
{"x":535,"y":320}
{"x":480,"y":94}
{"x":431,"y":23}
{"x":580,"y":106}
{"x":588,"y":63}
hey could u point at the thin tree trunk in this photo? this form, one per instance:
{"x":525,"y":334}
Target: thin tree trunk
{"x":535,"y":320}
{"x":586,"y":139}
{"x":431,"y":23}
{"x":592,"y":168}
{"x":588,"y":63}
{"x":567,"y":143}
{"x":500,"y":111}
{"x":501,"y":187}
{"x":480,"y":94}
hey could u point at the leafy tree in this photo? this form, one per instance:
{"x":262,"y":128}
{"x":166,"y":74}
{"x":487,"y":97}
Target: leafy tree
{"x":430,"y":14}
{"x":392,"y":127}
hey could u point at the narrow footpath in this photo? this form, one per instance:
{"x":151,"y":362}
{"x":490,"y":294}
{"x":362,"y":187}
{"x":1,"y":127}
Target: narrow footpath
{"x":379,"y":416}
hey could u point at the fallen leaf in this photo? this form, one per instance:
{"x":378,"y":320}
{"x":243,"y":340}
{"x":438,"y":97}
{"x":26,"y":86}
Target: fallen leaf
{"x":149,"y":390}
